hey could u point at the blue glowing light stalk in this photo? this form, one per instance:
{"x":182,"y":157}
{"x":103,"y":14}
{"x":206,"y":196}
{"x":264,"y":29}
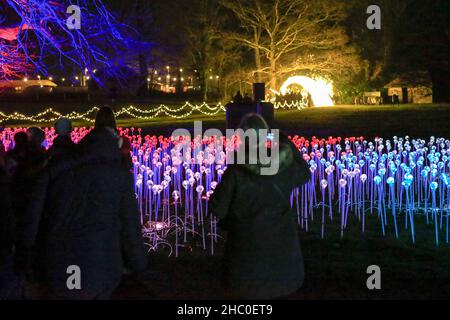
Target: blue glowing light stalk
{"x":349,"y":201}
{"x":177,"y":230}
{"x":392,"y":192}
{"x":312,"y":195}
{"x":330,"y":195}
{"x":409,"y":213}
{"x":380,"y":208}
{"x":447,"y":213}
{"x":363,"y":207}
{"x":441,"y":203}
{"x":186,"y":213}
{"x":323,"y":213}
{"x":434,"y":212}
{"x":342,"y":210}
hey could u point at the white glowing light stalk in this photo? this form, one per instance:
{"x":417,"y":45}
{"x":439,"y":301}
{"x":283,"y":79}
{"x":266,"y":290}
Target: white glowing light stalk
{"x":320,"y":90}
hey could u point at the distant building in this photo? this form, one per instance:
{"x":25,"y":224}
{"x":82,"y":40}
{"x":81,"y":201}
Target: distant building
{"x":22,"y":85}
{"x":412,"y":87}
{"x":373,"y":97}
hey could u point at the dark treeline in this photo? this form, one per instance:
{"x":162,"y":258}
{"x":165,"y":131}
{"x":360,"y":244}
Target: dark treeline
{"x":227,"y":45}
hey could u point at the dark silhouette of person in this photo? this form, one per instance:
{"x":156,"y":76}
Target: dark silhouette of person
{"x":10,"y":285}
{"x":395,"y":99}
{"x":90,"y":215}
{"x":24,"y":165}
{"x":18,"y":155}
{"x":106,"y":119}
{"x":63,"y":146}
{"x":247,"y":99}
{"x":36,"y":138}
{"x":125,"y":152}
{"x":238,"y":98}
{"x":262,"y":256}
{"x":310,"y":102}
{"x":2,"y":157}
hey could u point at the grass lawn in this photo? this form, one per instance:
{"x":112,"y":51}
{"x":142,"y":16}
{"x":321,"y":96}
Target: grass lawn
{"x":420,"y":121}
{"x":335,"y":268}
{"x":369,"y":121}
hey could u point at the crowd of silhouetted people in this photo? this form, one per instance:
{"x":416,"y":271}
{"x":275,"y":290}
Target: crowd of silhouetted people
{"x":70,"y":205}
{"x":70,"y":224}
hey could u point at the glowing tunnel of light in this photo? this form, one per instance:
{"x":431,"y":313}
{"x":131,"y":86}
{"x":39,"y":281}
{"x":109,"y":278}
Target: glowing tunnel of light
{"x":320,"y":90}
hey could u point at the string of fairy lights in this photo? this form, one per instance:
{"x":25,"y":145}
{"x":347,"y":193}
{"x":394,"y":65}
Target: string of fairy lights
{"x":131,"y":112}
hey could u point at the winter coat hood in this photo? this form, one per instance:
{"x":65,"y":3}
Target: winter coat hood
{"x":100,"y":143}
{"x":283,"y":160}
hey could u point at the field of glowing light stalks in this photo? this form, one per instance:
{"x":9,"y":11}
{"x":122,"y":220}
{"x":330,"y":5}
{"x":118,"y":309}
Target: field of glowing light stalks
{"x":397,"y":183}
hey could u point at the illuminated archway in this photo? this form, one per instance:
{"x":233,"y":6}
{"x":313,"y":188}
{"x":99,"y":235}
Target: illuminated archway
{"x":320,"y":90}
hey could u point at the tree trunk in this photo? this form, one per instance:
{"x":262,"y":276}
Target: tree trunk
{"x":272,"y":72}
{"x":143,"y":76}
{"x":257,"y":56}
{"x":205,"y":84}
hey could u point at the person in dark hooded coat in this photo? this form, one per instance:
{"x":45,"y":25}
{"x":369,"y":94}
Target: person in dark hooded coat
{"x":63,"y":146}
{"x":25,"y":163}
{"x":10,"y":284}
{"x":6,"y":218}
{"x":16,"y":158}
{"x":262,"y":257}
{"x":90,"y":218}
